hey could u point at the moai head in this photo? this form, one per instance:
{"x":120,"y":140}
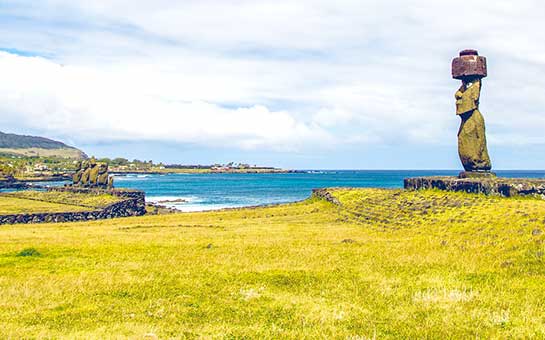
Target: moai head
{"x":470,"y":68}
{"x":102,"y":176}
{"x":93,"y":175}
{"x":102,"y":168}
{"x":77,"y":175}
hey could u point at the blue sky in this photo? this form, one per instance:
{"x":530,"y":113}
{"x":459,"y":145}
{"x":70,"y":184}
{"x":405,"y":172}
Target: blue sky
{"x":306,"y":84}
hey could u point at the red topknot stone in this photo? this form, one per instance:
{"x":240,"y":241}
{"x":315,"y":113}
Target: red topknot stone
{"x":468,"y":52}
{"x":469,"y":64}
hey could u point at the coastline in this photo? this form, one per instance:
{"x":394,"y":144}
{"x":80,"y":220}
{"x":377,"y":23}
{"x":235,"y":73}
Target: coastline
{"x":202,"y":171}
{"x":21,"y":183}
{"x":25,"y":183}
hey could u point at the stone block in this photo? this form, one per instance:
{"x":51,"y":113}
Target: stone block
{"x":496,"y":186}
{"x":469,"y":64}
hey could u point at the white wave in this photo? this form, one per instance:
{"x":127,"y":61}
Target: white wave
{"x":132,"y":175}
{"x":204,"y":207}
{"x":175,"y":202}
{"x":122,"y":178}
{"x":188,"y":203}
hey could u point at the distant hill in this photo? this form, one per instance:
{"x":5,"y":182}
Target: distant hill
{"x":36,"y":146}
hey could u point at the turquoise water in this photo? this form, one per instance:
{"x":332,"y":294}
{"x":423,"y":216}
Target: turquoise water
{"x":216,"y":191}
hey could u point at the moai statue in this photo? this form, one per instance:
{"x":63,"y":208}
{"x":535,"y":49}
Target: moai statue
{"x":111,"y":182}
{"x":90,"y":174}
{"x":85,"y":171}
{"x":93,"y":175}
{"x":102,"y":179}
{"x":470,"y":68}
{"x":77,"y":175}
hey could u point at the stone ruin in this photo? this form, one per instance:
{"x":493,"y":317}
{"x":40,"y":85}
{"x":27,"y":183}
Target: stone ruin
{"x":470,"y":68}
{"x":90,"y":174}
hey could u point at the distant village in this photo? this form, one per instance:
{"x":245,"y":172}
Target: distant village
{"x":47,"y":168}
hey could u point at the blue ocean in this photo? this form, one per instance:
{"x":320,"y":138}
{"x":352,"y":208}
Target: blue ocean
{"x":200,"y":192}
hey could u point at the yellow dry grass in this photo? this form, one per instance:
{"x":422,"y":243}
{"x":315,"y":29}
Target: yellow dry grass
{"x":387,"y":264}
{"x":13,"y":205}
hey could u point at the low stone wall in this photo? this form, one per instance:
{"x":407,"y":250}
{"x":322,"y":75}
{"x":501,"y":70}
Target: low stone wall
{"x":133,"y":204}
{"x":506,"y":187}
{"x":124,"y":193}
{"x":13,"y":185}
{"x":326,"y":195}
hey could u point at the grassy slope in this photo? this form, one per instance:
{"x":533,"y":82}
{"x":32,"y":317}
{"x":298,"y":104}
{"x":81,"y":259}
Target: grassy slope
{"x":33,"y":146}
{"x":388,"y":264}
{"x":39,"y":202}
{"x":13,"y":205}
{"x":70,"y":198}
{"x":64,"y":152}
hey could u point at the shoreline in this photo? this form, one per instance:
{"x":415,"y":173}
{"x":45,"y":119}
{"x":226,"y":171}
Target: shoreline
{"x":175,"y":210}
{"x":203,"y":171}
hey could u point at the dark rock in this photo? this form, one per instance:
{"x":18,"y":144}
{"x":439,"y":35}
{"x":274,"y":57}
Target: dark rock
{"x":506,"y":187}
{"x":325,"y":194}
{"x":477,"y":174}
{"x":468,"y":64}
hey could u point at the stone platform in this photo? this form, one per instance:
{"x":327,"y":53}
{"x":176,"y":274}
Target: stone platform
{"x":507,"y":187}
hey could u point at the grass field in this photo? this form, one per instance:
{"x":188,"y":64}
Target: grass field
{"x":70,"y":198}
{"x":385,"y":264}
{"x":34,"y":152}
{"x":40,"y":202}
{"x":12,"y":205}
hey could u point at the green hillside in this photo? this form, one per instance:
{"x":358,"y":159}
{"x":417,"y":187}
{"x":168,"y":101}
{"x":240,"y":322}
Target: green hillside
{"x":32,"y":146}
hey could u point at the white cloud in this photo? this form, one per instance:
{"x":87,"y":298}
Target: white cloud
{"x":92,"y":105}
{"x":278,"y":74}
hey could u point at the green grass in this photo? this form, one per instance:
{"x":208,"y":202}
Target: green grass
{"x":29,"y":252}
{"x":69,"y":198}
{"x":64,"y":152}
{"x":385,"y":264}
{"x":13,"y":205}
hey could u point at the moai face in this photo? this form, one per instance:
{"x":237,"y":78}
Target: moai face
{"x":102,"y":168}
{"x":467,"y":97}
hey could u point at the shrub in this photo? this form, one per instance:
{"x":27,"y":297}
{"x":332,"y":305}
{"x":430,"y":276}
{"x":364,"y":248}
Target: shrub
{"x":29,"y":252}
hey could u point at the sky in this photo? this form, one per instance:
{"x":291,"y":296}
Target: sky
{"x":294,"y":84}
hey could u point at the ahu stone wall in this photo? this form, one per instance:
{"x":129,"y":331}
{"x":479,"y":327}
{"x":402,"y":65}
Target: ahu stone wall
{"x":506,"y":187}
